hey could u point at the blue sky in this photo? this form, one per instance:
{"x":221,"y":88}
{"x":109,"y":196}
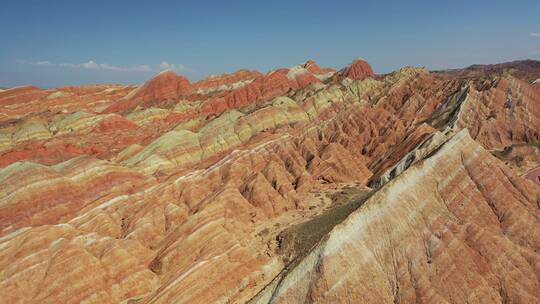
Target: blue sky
{"x":54,"y":43}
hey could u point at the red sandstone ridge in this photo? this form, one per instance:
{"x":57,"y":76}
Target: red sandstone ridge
{"x":164,"y":86}
{"x":262,"y":88}
{"x":20,"y":95}
{"x":358,"y":69}
{"x":226,"y":81}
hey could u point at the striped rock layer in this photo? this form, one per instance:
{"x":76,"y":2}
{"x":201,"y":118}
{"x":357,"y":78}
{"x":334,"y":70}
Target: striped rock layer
{"x":301,"y":185}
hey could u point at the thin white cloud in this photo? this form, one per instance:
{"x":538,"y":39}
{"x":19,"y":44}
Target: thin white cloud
{"x":92,"y":65}
{"x":164,"y":65}
{"x":535,"y":34}
{"x":44,"y":62}
{"x":39,"y":62}
{"x":141,"y":68}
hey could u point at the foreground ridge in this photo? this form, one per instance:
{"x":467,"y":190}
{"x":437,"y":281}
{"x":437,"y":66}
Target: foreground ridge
{"x":457,"y":227}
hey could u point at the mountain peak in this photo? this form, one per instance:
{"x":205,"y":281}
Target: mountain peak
{"x":358,"y":69}
{"x":163,"y":86}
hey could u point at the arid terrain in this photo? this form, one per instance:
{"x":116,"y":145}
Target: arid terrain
{"x":302,"y":185}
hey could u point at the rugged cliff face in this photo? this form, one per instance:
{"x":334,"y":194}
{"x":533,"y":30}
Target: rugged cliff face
{"x":296,"y":186}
